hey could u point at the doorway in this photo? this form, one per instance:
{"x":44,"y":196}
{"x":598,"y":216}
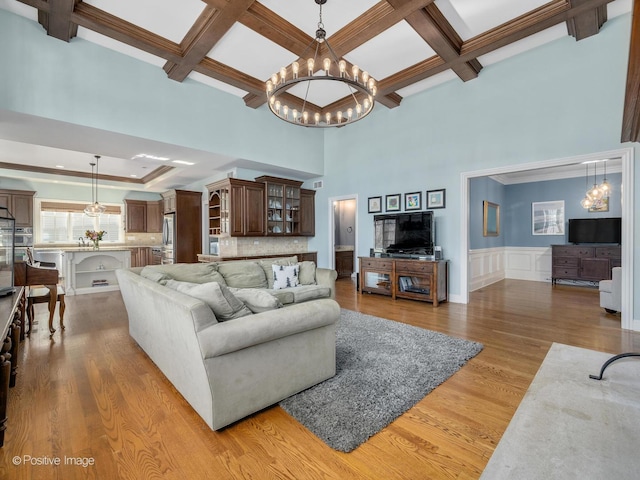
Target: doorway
{"x":344,"y":213}
{"x":626,"y":155}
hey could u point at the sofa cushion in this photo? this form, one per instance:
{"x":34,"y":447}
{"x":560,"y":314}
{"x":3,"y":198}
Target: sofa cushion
{"x":268,"y":262}
{"x":285,"y":297}
{"x":285,"y":276}
{"x":190,"y":272}
{"x":243,"y":274}
{"x":154,"y":275}
{"x":256,"y":299}
{"x":222,"y":302}
{"x":304,"y":293}
{"x":307,"y":273}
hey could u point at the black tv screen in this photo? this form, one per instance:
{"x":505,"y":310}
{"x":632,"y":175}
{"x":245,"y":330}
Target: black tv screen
{"x":595,"y":230}
{"x":414,"y":230}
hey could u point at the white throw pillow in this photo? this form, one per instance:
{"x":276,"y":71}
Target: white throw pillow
{"x":224,"y":304}
{"x":285,"y":276}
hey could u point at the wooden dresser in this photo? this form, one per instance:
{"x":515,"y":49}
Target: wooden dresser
{"x":581,"y":262}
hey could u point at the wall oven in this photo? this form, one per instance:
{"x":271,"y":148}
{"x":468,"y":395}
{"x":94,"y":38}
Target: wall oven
{"x":24,"y":237}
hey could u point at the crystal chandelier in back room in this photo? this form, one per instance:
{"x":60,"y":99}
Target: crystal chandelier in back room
{"x":360,"y":87}
{"x":596,"y":193}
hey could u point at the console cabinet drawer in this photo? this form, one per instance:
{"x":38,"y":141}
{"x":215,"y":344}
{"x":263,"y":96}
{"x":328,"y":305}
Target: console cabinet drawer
{"x":566,"y":262}
{"x":565,"y":272}
{"x":608,"y":252}
{"x":377,"y":264}
{"x":413,"y":267}
{"x":572,"y":251}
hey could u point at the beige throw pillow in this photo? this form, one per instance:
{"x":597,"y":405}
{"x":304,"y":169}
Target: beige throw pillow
{"x":257,"y":300}
{"x":224,"y":304}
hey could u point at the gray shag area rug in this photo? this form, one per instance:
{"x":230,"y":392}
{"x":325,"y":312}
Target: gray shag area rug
{"x":383,"y":368}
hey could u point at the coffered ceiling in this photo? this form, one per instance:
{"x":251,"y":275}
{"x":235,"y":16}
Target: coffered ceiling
{"x":236,"y":45}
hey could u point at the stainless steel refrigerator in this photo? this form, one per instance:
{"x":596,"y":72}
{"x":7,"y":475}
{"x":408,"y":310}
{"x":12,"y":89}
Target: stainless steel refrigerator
{"x":168,"y":238}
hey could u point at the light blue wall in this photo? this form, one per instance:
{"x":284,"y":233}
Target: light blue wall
{"x":516,"y":209}
{"x":560,"y":100}
{"x":82,"y":83}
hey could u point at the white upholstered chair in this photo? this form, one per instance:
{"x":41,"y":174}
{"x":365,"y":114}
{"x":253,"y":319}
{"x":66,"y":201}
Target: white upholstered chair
{"x":610,"y":291}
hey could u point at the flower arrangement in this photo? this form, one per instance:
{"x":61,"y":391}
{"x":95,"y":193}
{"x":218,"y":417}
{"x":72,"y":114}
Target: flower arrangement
{"x":95,"y":237}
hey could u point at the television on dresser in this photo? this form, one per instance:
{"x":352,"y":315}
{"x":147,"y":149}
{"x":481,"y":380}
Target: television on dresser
{"x":595,"y":230}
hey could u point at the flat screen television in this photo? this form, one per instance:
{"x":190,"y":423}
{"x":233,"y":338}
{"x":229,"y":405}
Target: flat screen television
{"x":595,"y":230}
{"x":405,"y":232}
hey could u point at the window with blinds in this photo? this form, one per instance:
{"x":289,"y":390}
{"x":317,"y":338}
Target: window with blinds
{"x":66,"y":223}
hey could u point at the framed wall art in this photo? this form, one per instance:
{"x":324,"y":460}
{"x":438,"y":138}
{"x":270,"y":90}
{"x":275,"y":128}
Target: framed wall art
{"x":413,"y":201}
{"x":547,"y":218}
{"x":490,"y":219}
{"x":392,"y":202}
{"x":375,"y":204}
{"x":436,"y":198}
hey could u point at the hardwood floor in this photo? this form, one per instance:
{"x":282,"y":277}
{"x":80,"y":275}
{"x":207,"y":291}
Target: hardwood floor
{"x":93,"y":395}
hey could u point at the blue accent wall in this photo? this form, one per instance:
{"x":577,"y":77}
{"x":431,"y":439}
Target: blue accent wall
{"x":516,"y":209}
{"x":481,"y":189}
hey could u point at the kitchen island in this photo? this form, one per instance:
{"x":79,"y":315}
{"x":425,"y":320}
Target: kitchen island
{"x":85,"y":270}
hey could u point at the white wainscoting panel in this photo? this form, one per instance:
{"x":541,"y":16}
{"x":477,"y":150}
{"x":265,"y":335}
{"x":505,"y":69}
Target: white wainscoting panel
{"x":486,"y":266}
{"x":490,"y":265}
{"x":528,"y":263}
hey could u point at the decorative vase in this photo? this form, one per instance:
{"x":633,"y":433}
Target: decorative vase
{"x":96,"y":244}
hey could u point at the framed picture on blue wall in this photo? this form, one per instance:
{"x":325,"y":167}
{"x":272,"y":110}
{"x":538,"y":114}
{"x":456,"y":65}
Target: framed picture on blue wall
{"x":547,"y":218}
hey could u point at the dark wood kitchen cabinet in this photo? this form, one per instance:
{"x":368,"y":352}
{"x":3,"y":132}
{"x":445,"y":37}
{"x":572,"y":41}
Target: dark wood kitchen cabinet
{"x":187,"y":223}
{"x":20,"y":205}
{"x":236,"y":208}
{"x":143,"y":216}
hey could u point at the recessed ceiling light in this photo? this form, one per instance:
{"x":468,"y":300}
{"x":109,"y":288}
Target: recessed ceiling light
{"x":150,"y":157}
{"x":59,"y":166}
{"x":133,"y":175}
{"x":183,"y":162}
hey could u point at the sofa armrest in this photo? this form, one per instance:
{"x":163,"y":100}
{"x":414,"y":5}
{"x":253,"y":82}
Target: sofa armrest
{"x":327,"y":278}
{"x":245,"y":332}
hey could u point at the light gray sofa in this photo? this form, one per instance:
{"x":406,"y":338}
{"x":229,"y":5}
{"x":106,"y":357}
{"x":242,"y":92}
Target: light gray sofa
{"x":230,"y":369}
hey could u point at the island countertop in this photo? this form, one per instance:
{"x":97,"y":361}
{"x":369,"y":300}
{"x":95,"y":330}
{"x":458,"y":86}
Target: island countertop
{"x":108,"y":248}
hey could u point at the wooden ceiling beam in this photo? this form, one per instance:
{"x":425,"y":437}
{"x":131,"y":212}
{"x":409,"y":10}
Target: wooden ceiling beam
{"x":204,"y":34}
{"x":548,"y":15}
{"x":436,"y":30}
{"x":587,"y":23}
{"x":371,"y":23}
{"x":275,"y":28}
{"x":631,"y":113}
{"x":111,"y":26}
{"x":231,"y":76}
{"x":57,"y":20}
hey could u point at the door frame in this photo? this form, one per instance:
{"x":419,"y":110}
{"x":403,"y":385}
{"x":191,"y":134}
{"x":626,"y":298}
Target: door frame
{"x":627,"y":156}
{"x":332,"y":233}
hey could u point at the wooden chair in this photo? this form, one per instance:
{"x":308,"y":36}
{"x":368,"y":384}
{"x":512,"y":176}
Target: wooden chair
{"x":42,"y":278}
